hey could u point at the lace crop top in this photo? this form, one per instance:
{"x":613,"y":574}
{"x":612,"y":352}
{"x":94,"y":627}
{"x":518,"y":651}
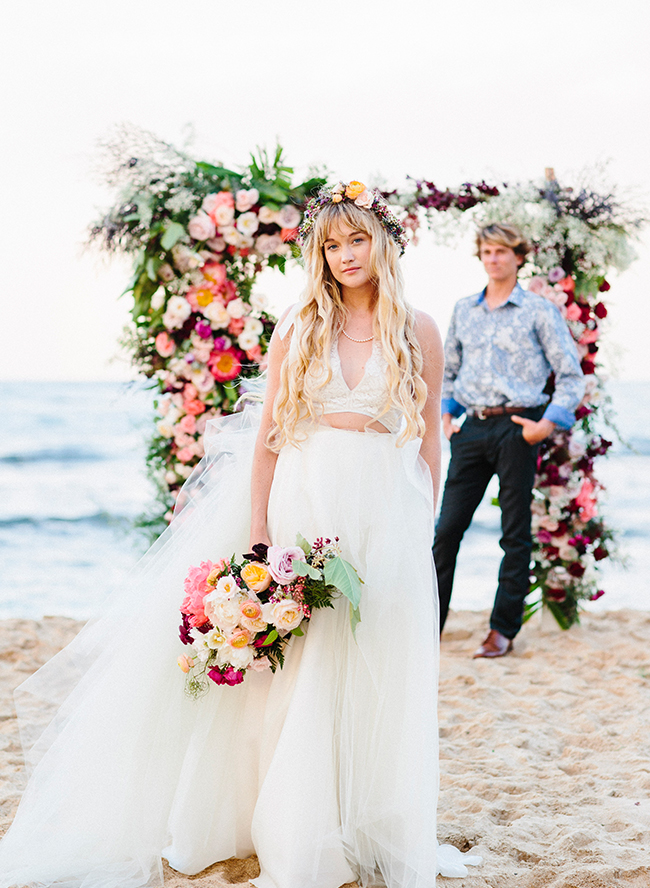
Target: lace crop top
{"x":368,"y":397}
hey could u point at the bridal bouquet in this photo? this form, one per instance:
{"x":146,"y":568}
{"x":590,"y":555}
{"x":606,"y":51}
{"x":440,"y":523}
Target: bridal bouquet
{"x":241,"y":615}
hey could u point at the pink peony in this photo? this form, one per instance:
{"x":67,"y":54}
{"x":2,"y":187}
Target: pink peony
{"x":259,"y":664}
{"x":280,"y":565}
{"x":196,"y":588}
{"x":586,"y":500}
{"x":165,"y":346}
{"x":229,"y":676}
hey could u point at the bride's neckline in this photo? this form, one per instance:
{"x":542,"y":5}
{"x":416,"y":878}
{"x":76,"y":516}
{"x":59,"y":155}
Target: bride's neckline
{"x":372,"y":354}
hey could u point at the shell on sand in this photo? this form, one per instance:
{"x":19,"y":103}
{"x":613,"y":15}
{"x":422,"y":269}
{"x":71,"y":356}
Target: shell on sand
{"x":545,"y":753}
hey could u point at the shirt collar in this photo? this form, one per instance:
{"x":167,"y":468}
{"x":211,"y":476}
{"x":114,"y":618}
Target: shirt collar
{"x":516,"y":296}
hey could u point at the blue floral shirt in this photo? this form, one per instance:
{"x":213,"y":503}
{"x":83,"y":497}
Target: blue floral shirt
{"x":504,"y":356}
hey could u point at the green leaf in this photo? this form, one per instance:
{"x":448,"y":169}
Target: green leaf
{"x":297,"y":631}
{"x":305,"y":570}
{"x":270,"y":638}
{"x":495,"y":501}
{"x":302,"y":542}
{"x":355,"y":618}
{"x":174,"y":233}
{"x":341,"y":574}
{"x":153,"y":263}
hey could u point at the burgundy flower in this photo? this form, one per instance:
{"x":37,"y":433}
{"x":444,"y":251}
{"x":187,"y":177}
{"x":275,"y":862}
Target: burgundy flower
{"x":588,"y":367}
{"x":576,"y":569}
{"x":597,"y":595}
{"x":600,"y":552}
{"x":558,"y":595}
{"x":184,"y":630}
{"x":599,"y":310}
{"x":604,"y":287}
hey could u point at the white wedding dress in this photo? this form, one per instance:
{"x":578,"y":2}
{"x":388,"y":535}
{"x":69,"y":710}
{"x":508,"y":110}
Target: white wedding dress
{"x":327,"y":770}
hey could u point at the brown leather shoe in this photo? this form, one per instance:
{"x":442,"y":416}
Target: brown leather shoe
{"x":495,"y":645}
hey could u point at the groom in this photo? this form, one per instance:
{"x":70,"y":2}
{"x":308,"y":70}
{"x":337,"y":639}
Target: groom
{"x":500,"y":349}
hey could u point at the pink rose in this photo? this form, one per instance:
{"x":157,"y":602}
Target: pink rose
{"x":184,"y":455}
{"x":188,"y":424}
{"x":287,"y":614}
{"x":280,"y":565}
{"x":212,"y":201}
{"x":185,"y":663}
{"x":165,"y":346}
{"x":259,"y":664}
{"x":223,"y":215}
{"x":245,"y":199}
{"x":201,"y":227}
{"x":573,"y":312}
{"x":589,"y":336}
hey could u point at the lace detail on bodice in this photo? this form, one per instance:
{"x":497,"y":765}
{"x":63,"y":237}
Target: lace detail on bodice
{"x":368,"y":398}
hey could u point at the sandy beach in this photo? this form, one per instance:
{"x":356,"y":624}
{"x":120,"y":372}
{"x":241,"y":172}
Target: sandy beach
{"x":545,"y":754}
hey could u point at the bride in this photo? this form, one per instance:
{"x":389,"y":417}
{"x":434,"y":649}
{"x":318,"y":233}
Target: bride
{"x":328,"y":768}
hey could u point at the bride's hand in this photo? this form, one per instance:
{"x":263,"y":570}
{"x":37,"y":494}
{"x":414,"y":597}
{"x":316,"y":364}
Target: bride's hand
{"x":262,"y":538}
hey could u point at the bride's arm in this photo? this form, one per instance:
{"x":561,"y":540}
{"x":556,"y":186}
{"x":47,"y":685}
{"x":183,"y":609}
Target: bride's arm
{"x":430,"y":342}
{"x":264,"y":460}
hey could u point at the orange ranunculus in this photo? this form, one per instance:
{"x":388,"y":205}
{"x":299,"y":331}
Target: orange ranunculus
{"x":240,"y":638}
{"x":354,"y":189}
{"x":204,"y":297}
{"x":568,"y":284}
{"x":215,"y":272}
{"x":337,"y":198}
{"x":256,"y":576}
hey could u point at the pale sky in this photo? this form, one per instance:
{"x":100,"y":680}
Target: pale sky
{"x":447,"y":92}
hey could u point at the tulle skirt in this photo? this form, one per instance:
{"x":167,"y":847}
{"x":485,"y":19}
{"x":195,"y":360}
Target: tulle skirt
{"x":327,"y":769}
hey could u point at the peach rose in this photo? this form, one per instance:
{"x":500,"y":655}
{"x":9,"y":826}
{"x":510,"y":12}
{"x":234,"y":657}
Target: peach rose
{"x":354,"y":189}
{"x":194,"y":407}
{"x":573,"y":312}
{"x":286,"y":615}
{"x":246,"y":198}
{"x":365,"y":199}
{"x":257,"y":577}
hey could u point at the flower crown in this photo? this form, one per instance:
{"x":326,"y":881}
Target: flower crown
{"x":362,"y":197}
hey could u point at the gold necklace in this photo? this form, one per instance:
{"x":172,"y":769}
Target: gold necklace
{"x":352,"y":339}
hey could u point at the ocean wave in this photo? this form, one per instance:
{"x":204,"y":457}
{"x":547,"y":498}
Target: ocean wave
{"x":63,"y":454}
{"x":41,"y":522}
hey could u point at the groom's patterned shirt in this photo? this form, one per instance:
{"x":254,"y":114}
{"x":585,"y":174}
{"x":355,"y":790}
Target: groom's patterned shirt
{"x":504,"y":356}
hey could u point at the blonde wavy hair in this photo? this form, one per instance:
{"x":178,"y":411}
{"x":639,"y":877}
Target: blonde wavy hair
{"x":322,"y":315}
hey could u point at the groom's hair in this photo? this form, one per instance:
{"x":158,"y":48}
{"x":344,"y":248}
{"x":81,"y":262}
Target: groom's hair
{"x":506,"y":236}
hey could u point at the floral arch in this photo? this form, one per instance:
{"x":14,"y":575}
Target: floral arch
{"x":199,"y":234}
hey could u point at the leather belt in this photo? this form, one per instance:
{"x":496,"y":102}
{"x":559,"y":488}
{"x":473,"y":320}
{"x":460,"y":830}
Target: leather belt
{"x":501,"y":410}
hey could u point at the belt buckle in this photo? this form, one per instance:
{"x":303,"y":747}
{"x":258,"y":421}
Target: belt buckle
{"x":480,"y":414}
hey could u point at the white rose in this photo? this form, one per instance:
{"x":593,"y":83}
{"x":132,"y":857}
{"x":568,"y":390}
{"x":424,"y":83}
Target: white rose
{"x":289,"y":216}
{"x":268,"y":243}
{"x":201,"y":227}
{"x":166,"y":429}
{"x":259,"y":301}
{"x":170,"y":477}
{"x":245,"y":199}
{"x":209,"y":202}
{"x":247,"y":340}
{"x":227,"y":587}
{"x":236,"y":308}
{"x":158,"y":298}
{"x":178,"y":311}
{"x":223,"y":215}
{"x":200,"y":645}
{"x":217,"y":314}
{"x":267,"y":216}
{"x":287,"y":615}
{"x":182,"y":471}
{"x":231,"y":235}
{"x":253,"y":325}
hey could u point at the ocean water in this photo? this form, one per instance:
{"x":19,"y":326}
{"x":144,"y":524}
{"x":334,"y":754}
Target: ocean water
{"x":72,"y":481}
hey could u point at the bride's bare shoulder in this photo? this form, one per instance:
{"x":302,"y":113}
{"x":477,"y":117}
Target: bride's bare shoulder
{"x":427,"y":332}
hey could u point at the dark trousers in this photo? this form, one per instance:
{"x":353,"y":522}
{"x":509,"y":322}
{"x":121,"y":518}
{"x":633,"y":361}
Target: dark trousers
{"x":481,"y":448}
